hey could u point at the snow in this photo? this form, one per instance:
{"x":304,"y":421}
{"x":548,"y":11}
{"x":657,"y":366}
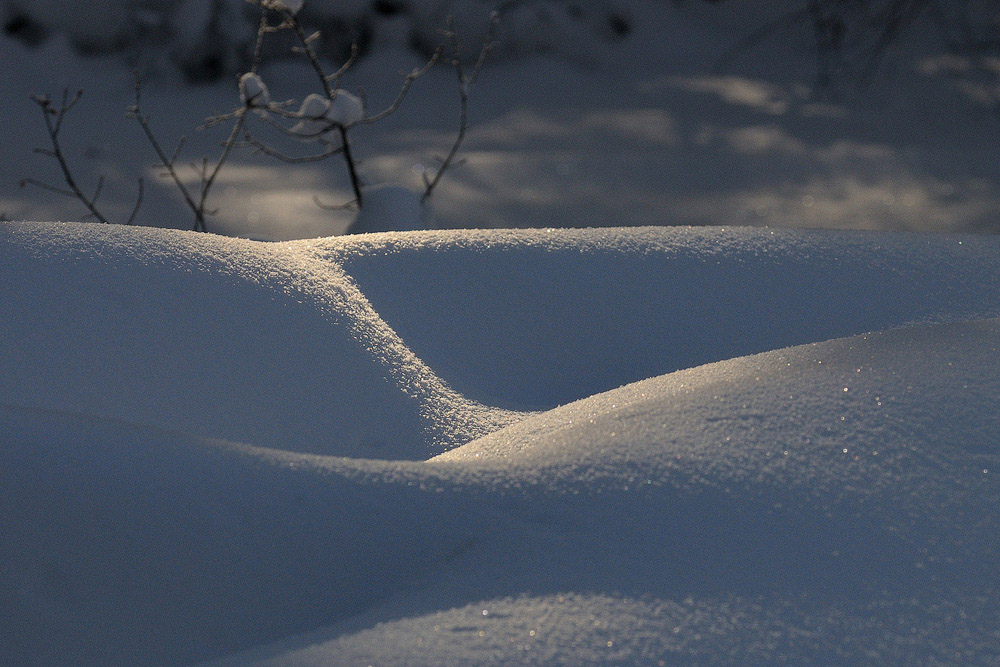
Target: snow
{"x":291,"y":6}
{"x":638,"y":131}
{"x":769,"y":446}
{"x":270,"y":341}
{"x":253,"y":90}
{"x":321,"y":115}
{"x":313,"y":112}
{"x":345,"y":109}
{"x":628,"y":442}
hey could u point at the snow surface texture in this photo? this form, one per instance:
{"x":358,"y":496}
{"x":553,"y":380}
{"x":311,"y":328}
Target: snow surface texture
{"x":832,"y":503}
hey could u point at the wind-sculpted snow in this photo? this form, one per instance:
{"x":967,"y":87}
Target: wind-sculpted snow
{"x":218,"y":337}
{"x":169,"y":403}
{"x":745,"y":512}
{"x":533,"y":319}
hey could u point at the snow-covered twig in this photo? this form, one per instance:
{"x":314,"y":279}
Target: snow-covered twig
{"x":54,"y":117}
{"x":337,"y":111}
{"x":329,"y":82}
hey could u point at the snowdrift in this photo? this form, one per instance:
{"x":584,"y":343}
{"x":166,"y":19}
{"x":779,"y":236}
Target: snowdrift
{"x":219,"y":337}
{"x":831,"y":503}
{"x":534,"y":319}
{"x":212,"y":446}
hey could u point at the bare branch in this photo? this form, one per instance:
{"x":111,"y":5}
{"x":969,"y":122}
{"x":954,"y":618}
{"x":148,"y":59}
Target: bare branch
{"x":330,"y":90}
{"x":339,"y":74}
{"x":215,"y":121}
{"x":138,"y":204}
{"x":352,"y":205}
{"x":464,"y":84}
{"x":791,"y":18}
{"x":45,"y":186}
{"x":177,"y":151}
{"x":310,"y":53}
{"x":894,"y":19}
{"x":262,"y":29}
{"x":97,"y":190}
{"x":67,"y":104}
{"x":404,"y":89}
{"x":135,"y":111}
{"x":261,"y":147}
{"x":352,"y":166}
{"x":53,"y":128}
{"x":490,"y":42}
{"x":227,"y":148}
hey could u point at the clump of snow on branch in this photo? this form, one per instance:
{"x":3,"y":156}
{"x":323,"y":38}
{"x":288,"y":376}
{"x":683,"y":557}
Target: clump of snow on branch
{"x":253,"y":91}
{"x":345,"y":109}
{"x":291,"y":6}
{"x":312,"y":112}
{"x":320,"y":115}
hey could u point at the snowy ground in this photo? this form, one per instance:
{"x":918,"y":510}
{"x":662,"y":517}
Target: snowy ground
{"x":635,"y":444}
{"x":212,"y":445}
{"x":645,"y":131}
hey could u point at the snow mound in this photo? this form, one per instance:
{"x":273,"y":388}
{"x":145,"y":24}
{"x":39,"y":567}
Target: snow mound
{"x":834,"y":502}
{"x":532,"y":319}
{"x":745,"y":511}
{"x":125,"y":544}
{"x":216,"y":337}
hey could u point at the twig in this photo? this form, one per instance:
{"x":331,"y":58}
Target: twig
{"x":404,"y":89}
{"x":48,"y":110}
{"x":330,"y":90}
{"x":352,"y":166}
{"x":894,"y":19}
{"x":53,"y":126}
{"x":351,"y":205}
{"x":331,"y":86}
{"x":339,"y":74}
{"x":310,"y":53}
{"x":759,"y":35}
{"x":208,"y":176}
{"x":138,"y":203}
{"x":261,"y":147}
{"x":45,"y":186}
{"x":464,"y":84}
{"x":135,"y":111}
